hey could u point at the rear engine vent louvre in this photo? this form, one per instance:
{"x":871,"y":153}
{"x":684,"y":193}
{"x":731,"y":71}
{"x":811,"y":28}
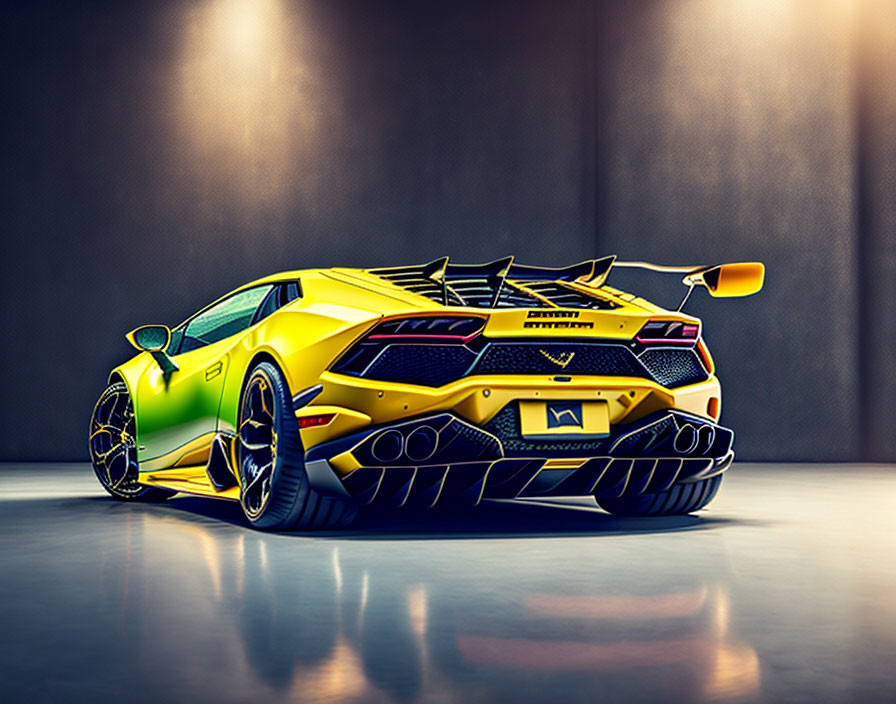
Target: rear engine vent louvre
{"x":478,"y":291}
{"x":414,"y":279}
{"x":568,"y":297}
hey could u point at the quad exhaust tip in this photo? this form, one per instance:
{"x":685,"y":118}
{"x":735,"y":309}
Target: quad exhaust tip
{"x":388,"y":446}
{"x":419,"y":445}
{"x":689,"y":439}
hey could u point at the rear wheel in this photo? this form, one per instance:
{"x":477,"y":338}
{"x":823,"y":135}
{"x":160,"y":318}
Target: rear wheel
{"x":112,"y":445}
{"x":274,"y":489}
{"x":680,"y":499}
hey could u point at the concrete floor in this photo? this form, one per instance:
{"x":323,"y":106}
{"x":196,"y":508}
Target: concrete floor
{"x":783,"y":590}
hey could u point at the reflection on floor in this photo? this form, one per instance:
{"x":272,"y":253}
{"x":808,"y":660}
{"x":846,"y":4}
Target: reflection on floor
{"x":781,"y":591}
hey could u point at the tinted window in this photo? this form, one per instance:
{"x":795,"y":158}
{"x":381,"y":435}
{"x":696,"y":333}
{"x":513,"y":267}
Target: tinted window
{"x":270,"y":303}
{"x":224,"y":319}
{"x":176,"y":336}
{"x":279,"y":296}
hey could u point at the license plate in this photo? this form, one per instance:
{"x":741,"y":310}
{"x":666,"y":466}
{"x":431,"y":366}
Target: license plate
{"x":564,"y":419}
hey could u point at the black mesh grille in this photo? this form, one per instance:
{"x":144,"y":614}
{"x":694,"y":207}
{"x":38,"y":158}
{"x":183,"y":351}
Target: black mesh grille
{"x":673,"y":367}
{"x":436,"y":365}
{"x":427,"y":365}
{"x":558,"y":358}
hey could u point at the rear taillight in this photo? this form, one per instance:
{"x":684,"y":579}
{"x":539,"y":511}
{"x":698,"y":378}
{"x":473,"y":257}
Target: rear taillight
{"x":446,"y":329}
{"x":668,"y":332}
{"x":420,"y":348}
{"x":316,"y":421}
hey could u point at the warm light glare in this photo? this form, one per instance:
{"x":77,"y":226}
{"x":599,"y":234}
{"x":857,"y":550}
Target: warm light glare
{"x":244,"y":24}
{"x":247,"y":105}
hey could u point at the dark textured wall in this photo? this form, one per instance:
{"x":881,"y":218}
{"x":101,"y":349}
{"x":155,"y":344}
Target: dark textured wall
{"x":156,"y":155}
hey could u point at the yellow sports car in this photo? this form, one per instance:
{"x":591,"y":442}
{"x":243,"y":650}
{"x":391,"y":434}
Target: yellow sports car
{"x":308,"y":394}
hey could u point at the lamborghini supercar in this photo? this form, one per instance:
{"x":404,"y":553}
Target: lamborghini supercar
{"x":309,"y":394}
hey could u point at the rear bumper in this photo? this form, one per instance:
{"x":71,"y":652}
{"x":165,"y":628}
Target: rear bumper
{"x":440,"y":457}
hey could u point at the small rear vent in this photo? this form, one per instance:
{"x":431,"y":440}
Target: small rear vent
{"x":673,"y":367}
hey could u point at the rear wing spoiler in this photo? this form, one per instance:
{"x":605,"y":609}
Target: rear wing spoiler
{"x":721,"y":280}
{"x":506,"y":268}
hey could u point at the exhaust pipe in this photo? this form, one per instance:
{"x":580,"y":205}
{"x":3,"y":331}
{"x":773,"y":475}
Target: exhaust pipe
{"x":421,"y":444}
{"x":685,"y":439}
{"x":387,"y":446}
{"x":706,"y":436}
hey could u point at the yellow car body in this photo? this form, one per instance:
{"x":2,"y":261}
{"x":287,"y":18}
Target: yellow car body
{"x":187,"y":419}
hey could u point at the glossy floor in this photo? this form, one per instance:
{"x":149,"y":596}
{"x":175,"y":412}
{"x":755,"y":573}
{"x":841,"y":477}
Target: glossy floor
{"x":783,"y":590}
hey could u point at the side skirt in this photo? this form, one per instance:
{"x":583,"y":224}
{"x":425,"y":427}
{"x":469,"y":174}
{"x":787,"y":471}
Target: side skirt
{"x":215,"y":479}
{"x":190,"y":480}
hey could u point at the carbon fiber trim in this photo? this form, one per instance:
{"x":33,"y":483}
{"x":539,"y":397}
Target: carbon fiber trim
{"x":470,"y":482}
{"x":466,"y":463}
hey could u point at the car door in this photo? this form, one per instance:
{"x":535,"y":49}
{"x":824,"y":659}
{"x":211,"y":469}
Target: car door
{"x":177,"y":415}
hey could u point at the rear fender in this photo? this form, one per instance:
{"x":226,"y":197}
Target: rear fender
{"x":301,"y":343}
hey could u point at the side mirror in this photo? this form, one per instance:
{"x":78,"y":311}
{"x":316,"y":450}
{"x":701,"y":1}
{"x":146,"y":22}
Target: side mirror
{"x":154,"y":339}
{"x":730,"y":280}
{"x":150,"y":338}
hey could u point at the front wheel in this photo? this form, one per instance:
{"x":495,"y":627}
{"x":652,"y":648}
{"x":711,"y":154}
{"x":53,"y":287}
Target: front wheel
{"x":112,"y":445}
{"x":274,"y":489}
{"x":680,"y":499}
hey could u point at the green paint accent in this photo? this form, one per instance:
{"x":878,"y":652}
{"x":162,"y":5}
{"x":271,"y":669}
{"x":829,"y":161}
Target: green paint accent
{"x":185,"y":406}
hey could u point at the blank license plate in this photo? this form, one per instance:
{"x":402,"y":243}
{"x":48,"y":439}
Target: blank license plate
{"x":564,"y":419}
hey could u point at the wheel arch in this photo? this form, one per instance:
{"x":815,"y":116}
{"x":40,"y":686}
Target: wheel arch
{"x":231,"y":397}
{"x":117,"y":375}
{"x":265,"y":355}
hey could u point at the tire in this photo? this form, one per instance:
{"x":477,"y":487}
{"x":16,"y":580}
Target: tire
{"x":679,"y":500}
{"x":112,"y":447}
{"x":275,"y":492}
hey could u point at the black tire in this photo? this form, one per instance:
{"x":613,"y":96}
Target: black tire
{"x":680,"y":499}
{"x":112,"y":447}
{"x":274,"y":489}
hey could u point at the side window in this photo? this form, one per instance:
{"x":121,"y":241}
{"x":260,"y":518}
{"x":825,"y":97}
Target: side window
{"x":279,"y":296}
{"x":293,"y":291}
{"x":269,"y":304}
{"x":227,"y":318}
{"x":176,"y":336}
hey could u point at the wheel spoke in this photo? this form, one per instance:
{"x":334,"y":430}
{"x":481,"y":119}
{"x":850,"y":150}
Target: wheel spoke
{"x":108,"y":459}
{"x":258,"y":407}
{"x":266,"y":404}
{"x":261,"y":474}
{"x":110,"y":454}
{"x":124,"y":458}
{"x":254,"y":446}
{"x":257,"y":443}
{"x":112,"y":444}
{"x":110,"y":429}
{"x":256,"y":437}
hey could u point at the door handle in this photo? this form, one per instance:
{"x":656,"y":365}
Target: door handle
{"x":214,"y":370}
